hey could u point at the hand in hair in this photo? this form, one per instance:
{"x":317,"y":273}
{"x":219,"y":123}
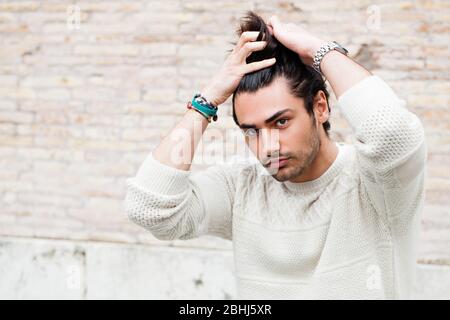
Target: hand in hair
{"x":235,"y":67}
{"x":295,"y":38}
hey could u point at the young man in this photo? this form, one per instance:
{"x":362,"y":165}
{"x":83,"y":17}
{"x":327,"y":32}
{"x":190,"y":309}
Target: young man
{"x":331,"y":220}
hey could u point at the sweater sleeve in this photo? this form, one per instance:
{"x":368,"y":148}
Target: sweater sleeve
{"x":177,"y":204}
{"x":390,"y":146}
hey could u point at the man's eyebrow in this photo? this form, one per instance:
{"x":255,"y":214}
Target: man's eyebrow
{"x":268,"y":120}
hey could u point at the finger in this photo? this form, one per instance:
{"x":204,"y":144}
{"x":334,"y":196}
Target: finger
{"x":254,"y":66}
{"x":249,"y":47}
{"x":246,"y":37}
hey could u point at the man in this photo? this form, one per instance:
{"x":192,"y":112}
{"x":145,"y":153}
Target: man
{"x":331,"y":220}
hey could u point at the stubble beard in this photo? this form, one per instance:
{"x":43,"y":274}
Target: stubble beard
{"x":300,"y":162}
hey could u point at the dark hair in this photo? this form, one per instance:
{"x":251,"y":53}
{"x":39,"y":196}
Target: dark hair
{"x":304,"y":81}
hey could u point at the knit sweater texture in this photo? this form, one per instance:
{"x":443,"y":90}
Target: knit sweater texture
{"x":349,"y":234}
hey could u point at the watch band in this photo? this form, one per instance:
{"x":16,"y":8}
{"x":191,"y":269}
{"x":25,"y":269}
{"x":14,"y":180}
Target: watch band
{"x":324,"y":50}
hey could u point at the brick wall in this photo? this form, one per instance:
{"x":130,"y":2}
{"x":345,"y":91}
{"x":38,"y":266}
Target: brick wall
{"x":85,"y":96}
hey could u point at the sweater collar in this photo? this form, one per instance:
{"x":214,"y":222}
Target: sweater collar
{"x":320,"y":182}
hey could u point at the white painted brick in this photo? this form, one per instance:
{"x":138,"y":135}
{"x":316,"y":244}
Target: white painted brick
{"x":80,"y":109}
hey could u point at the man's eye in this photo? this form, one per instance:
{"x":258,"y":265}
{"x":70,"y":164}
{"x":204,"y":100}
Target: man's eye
{"x":284,"y":123}
{"x":251,"y":132}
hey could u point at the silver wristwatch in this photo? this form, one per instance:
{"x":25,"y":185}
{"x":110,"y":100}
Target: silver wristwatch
{"x":324,"y":50}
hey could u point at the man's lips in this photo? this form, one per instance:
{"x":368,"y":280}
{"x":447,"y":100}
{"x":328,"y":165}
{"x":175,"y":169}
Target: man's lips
{"x":274,"y":163}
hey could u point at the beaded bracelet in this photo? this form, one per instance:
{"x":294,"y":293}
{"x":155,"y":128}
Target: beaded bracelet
{"x":190,"y":106}
{"x":201,"y":105}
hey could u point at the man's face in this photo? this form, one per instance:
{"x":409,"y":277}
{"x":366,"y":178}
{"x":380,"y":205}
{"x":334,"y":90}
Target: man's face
{"x":276,"y":125}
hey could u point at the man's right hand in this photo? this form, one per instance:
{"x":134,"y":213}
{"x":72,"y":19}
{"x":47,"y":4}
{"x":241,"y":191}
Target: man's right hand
{"x":235,"y":67}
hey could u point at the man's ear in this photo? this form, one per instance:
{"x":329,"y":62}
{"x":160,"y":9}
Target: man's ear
{"x":320,"y":104}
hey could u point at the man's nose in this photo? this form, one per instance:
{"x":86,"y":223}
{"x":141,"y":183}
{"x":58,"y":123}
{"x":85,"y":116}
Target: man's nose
{"x":269,"y":143}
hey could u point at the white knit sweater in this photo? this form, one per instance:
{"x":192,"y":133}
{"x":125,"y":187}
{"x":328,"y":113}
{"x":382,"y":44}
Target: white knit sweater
{"x":349,"y":234}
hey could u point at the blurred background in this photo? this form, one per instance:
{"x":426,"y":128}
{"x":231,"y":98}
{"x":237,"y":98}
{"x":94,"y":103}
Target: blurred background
{"x":88,"y":89}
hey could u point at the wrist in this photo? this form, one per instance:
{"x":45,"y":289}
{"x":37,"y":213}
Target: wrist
{"x":204,"y":106}
{"x":325,"y":50}
{"x":196,"y":114}
{"x":314,"y":47}
{"x":210,"y":96}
